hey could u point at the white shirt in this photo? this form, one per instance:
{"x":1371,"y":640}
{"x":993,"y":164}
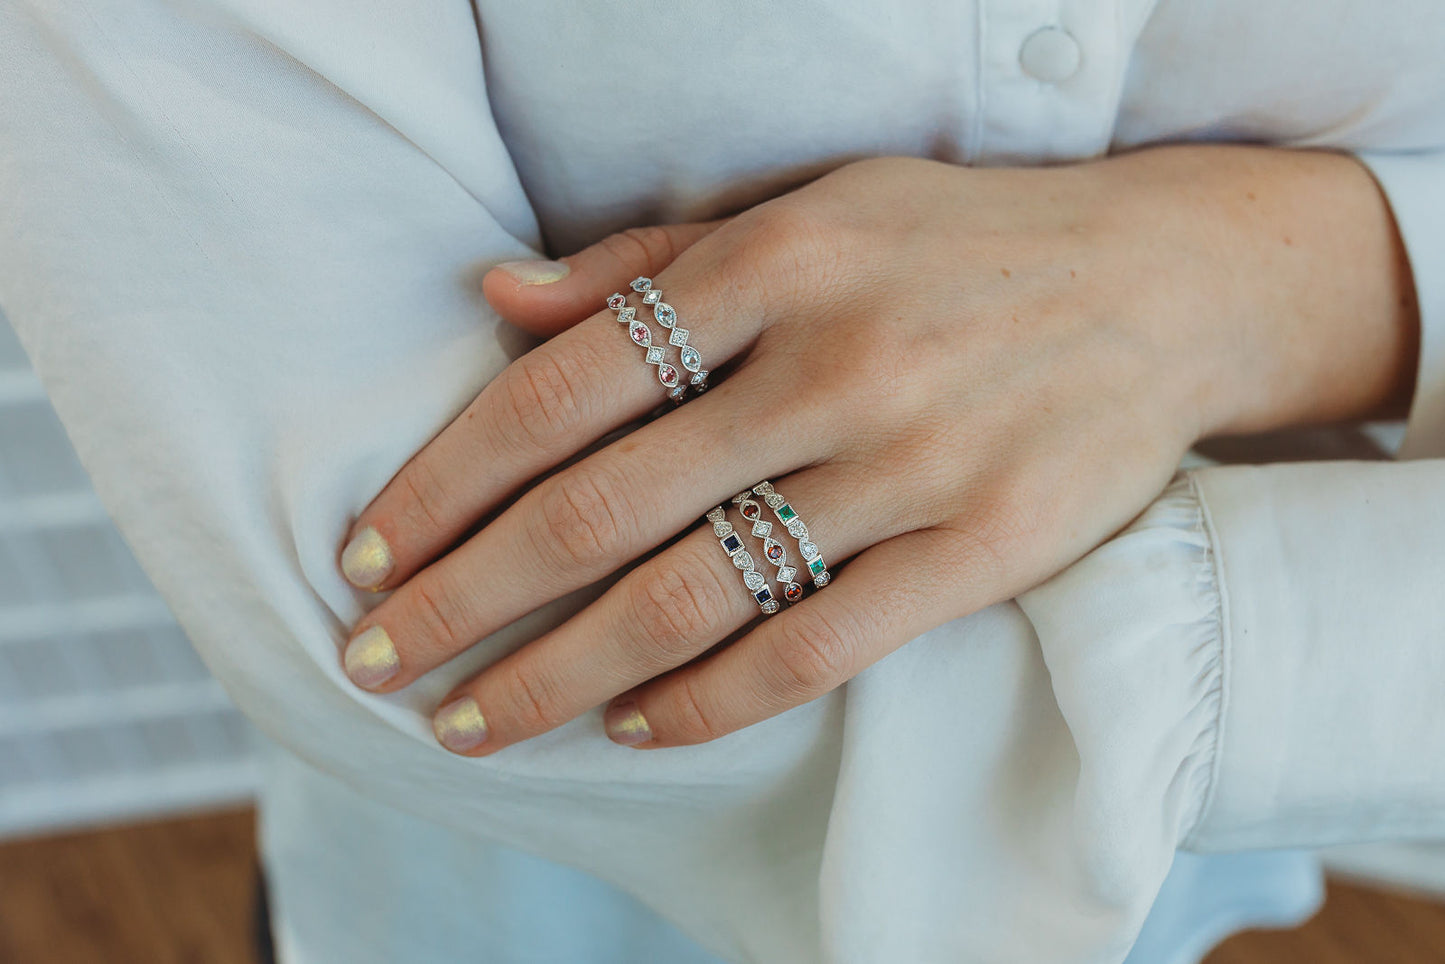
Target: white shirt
{"x":240,"y":241}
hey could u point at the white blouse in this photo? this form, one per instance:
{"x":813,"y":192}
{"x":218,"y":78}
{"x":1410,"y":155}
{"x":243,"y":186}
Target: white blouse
{"x":241,"y":239}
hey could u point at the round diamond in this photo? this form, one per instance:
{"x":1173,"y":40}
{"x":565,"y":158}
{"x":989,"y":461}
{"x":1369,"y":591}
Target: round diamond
{"x":771,"y":606}
{"x":808,"y":549}
{"x":652,"y":297}
{"x":821,"y":580}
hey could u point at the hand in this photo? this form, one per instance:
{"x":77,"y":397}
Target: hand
{"x":962,"y":380}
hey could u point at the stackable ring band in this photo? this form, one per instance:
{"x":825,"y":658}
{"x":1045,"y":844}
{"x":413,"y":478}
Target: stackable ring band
{"x":732,"y":543}
{"x":788,"y":516}
{"x":652,"y":353}
{"x":666,"y":316}
{"x":773,"y":550}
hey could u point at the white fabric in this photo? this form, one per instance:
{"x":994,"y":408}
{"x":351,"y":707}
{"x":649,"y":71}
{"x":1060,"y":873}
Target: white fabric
{"x":240,"y":240}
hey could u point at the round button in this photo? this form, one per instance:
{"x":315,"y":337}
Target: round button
{"x":1050,"y":54}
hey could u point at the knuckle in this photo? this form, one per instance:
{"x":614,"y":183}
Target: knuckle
{"x":585,"y":521}
{"x":426,"y":497}
{"x":676,"y":610}
{"x":542,"y":399}
{"x":648,"y":248}
{"x":812,"y":656}
{"x":996,"y":537}
{"x":535,"y":705}
{"x":689,"y":722}
{"x":437,"y":611}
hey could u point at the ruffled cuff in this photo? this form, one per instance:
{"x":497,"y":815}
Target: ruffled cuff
{"x":1132,"y":637}
{"x":1414,"y":184}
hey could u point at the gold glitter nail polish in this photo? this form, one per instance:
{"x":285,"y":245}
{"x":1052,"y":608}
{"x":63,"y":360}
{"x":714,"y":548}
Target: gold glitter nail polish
{"x":625,"y":724}
{"x":459,"y":725}
{"x":371,"y":658}
{"x":535,"y":272}
{"x":366,"y":561}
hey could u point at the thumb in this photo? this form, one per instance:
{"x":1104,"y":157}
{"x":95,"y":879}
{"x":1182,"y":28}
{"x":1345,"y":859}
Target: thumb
{"x":545,"y":297}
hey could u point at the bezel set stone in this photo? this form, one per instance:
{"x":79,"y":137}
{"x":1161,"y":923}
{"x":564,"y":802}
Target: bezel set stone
{"x":732,"y":544}
{"x":788,"y":516}
{"x":666,"y":316}
{"x":773,"y":550}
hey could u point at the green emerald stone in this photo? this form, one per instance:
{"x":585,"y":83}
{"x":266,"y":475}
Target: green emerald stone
{"x":816,"y":566}
{"x":786,"y":513}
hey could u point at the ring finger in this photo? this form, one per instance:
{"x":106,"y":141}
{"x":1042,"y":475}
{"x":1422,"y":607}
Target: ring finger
{"x":659,"y":616}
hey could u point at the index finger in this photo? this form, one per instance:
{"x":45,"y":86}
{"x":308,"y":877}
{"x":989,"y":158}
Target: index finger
{"x":543,"y":408}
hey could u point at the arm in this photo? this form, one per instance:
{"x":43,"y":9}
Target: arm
{"x":1305,"y":689}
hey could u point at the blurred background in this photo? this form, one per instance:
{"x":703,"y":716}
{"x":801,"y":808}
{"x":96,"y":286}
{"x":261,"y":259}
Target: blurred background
{"x":126,"y":776}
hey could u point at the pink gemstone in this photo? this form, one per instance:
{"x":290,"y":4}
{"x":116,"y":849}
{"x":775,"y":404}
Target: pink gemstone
{"x":641,"y":334}
{"x":616,"y":301}
{"x":667,"y":375}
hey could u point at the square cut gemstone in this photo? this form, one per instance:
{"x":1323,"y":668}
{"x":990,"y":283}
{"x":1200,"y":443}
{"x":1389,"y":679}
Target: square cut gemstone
{"x":763,"y":595}
{"x":816,"y":566}
{"x":732,"y":543}
{"x":786,"y":513}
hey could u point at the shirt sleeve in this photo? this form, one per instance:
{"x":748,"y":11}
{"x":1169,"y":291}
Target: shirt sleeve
{"x":1414,"y":185}
{"x":1289,"y":693}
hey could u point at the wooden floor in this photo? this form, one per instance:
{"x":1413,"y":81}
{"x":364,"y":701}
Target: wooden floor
{"x":180,"y":892}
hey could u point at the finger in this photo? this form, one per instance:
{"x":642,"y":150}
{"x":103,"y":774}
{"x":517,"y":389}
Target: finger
{"x":885,"y":597}
{"x":545,"y":407}
{"x":582,"y":524}
{"x":546,"y":297}
{"x":660,"y":615}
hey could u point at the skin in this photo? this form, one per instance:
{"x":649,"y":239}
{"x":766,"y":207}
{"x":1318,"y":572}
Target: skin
{"x":964,"y":379}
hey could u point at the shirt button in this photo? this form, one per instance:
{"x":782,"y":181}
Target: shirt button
{"x":1050,"y":55}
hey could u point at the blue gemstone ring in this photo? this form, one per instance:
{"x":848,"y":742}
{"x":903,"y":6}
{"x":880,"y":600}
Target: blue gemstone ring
{"x":788,"y":517}
{"x":732,"y":543}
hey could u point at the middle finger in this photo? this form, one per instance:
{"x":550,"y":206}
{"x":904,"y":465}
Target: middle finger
{"x":584,"y":523}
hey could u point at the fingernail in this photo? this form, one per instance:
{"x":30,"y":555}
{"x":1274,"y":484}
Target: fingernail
{"x":459,"y":725}
{"x":366,"y":561}
{"x":371,"y":658}
{"x":625,"y":724}
{"x":535,"y":272}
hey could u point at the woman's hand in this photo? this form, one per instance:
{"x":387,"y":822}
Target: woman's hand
{"x":961,"y":379}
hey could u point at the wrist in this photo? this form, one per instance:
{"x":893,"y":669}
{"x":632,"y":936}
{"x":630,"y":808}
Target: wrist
{"x":1275,"y":279}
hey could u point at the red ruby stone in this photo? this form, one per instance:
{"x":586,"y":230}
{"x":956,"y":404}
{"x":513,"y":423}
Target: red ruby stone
{"x":667,"y":374}
{"x":641,"y":334}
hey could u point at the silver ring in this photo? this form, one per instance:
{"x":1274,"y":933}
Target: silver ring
{"x":788,"y":516}
{"x":732,"y":543}
{"x":666,"y":316}
{"x":773,"y":550}
{"x":638,"y":331}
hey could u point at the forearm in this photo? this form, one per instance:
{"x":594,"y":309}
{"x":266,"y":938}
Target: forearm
{"x":1278,"y":279}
